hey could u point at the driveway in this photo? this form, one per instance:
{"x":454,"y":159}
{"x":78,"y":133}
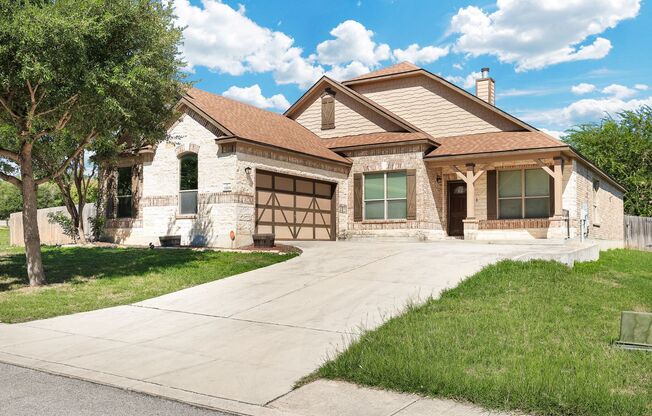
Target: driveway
{"x":247,"y":339}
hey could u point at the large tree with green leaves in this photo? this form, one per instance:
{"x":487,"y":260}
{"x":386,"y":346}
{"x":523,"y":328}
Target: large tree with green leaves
{"x":622,"y":147}
{"x":76,"y":71}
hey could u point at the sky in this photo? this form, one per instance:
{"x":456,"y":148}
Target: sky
{"x":556,"y":63}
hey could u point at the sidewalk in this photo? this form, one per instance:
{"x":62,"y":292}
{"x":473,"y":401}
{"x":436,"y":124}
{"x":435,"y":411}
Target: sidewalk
{"x":337,"y":398}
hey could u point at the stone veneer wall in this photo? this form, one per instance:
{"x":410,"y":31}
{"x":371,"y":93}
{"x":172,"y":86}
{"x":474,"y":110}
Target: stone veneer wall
{"x":428,"y":222}
{"x":610,"y":210}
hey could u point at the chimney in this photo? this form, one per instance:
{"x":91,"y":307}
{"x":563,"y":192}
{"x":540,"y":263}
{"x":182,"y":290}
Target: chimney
{"x":485,"y":87}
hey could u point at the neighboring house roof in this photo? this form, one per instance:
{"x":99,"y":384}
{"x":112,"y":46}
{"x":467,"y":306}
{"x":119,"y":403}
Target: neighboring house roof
{"x":318,"y":86}
{"x":399,"y":68}
{"x":404,"y":71}
{"x":260,"y":126}
{"x":504,"y":141}
{"x":377,"y":138}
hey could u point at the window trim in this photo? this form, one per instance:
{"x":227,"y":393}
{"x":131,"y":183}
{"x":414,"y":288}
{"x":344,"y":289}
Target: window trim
{"x":196,"y":191}
{"x":523,"y":197}
{"x":596,"y":185}
{"x":385,"y":199}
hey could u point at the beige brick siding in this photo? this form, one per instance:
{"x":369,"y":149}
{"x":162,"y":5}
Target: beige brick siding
{"x":433,"y":107}
{"x":428,"y":221}
{"x":351,"y":118}
{"x":608,"y":223}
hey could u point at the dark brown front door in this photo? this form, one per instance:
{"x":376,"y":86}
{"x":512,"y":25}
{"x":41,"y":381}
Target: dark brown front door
{"x":456,"y":207}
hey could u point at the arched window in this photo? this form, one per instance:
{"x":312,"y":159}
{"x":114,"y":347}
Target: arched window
{"x":188,"y":182}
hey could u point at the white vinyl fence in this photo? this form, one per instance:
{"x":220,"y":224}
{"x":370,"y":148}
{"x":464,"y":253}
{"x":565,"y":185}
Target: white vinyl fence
{"x":50,"y":233}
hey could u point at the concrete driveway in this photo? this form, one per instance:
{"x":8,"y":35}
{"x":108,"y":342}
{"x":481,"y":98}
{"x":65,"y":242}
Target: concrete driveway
{"x":247,"y":339}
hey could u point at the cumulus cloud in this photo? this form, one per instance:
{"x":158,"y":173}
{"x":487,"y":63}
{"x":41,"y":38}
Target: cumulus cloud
{"x":582,"y":88}
{"x":585,"y":110}
{"x":349,"y":71}
{"x":534,"y":34}
{"x":641,"y":87}
{"x":253,"y":95}
{"x":418,"y":55}
{"x":557,"y":134}
{"x":352,"y":42}
{"x":619,"y":91}
{"x":225,"y":40}
{"x":465,"y":82}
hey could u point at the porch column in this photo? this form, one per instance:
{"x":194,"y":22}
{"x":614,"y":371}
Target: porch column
{"x":558,"y":175}
{"x":470,"y":191}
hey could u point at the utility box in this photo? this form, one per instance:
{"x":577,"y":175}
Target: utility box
{"x":635,"y":330}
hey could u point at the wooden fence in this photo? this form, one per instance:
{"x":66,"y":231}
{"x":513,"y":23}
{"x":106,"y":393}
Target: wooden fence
{"x":638,"y":232}
{"x":50,"y":233}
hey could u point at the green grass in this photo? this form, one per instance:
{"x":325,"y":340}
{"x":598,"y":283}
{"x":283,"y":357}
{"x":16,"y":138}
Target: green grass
{"x":533,"y":336}
{"x":86,"y":278}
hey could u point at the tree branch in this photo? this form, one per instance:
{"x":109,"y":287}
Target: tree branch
{"x":72,"y":157}
{"x":8,"y":109}
{"x":9,"y":155}
{"x":70,"y":101}
{"x":11,"y":179}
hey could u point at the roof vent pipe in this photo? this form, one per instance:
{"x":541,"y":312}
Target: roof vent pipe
{"x":485,"y":72}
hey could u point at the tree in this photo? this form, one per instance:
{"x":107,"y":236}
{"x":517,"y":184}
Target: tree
{"x":48,"y":195}
{"x":622,"y":147}
{"x":73,"y":72}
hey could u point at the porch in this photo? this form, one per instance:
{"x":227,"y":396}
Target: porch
{"x":504,"y":195}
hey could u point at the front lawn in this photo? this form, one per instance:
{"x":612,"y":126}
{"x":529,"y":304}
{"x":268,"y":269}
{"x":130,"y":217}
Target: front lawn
{"x":86,"y":278}
{"x":533,"y":336}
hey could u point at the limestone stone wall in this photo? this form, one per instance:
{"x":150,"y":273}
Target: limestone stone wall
{"x":428,"y":196}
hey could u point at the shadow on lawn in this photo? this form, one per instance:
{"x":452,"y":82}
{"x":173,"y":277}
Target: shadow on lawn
{"x":73,"y":263}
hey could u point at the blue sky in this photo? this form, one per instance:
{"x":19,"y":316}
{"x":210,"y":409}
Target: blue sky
{"x":556,"y":63}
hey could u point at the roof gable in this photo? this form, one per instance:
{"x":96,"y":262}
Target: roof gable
{"x":317,"y":89}
{"x":399,"y":68}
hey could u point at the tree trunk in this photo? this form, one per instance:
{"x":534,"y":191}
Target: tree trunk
{"x":35,"y":271}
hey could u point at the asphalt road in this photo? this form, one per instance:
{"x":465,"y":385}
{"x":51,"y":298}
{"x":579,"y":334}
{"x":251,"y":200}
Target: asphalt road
{"x":25,"y":392}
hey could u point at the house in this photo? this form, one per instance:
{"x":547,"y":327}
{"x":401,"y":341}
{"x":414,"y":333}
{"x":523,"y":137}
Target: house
{"x":396,"y":152}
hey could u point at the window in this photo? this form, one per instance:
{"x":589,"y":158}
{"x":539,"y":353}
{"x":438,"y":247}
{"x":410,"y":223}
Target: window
{"x":523,"y":194}
{"x":124,"y":192}
{"x":385,"y":195}
{"x":188,"y":184}
{"x":327,"y":112}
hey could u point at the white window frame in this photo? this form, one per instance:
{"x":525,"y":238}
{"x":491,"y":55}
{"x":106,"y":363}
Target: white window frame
{"x":385,"y":199}
{"x":596,"y":205}
{"x":196,"y":191}
{"x":522,"y":197}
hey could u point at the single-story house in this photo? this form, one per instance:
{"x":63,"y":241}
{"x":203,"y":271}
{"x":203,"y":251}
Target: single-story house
{"x":396,"y":152}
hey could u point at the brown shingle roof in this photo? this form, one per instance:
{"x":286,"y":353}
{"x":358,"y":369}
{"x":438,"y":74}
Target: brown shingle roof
{"x":375,"y":138}
{"x":494,"y":142}
{"x":252,"y":123}
{"x":404,"y":66}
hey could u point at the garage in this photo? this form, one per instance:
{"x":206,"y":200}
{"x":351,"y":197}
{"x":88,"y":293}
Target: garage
{"x":294,"y":208}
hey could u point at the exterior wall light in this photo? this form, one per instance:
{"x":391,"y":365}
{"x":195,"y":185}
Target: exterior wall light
{"x":248,"y":170}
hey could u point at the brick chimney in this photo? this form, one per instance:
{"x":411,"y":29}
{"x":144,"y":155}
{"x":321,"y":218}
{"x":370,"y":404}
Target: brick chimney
{"x":485,"y":87}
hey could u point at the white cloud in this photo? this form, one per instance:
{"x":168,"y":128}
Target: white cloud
{"x":585,"y":110}
{"x":254,"y":96}
{"x":458,"y":66}
{"x":417,"y":55}
{"x":223,"y":39}
{"x":641,"y":87}
{"x":534,"y":34}
{"x":465,"y":82}
{"x":352,"y":43}
{"x":349,"y":71}
{"x":582,"y":88}
{"x":619,"y":91}
{"x":557,"y":134}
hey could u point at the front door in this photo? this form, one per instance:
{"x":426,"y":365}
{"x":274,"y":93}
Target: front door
{"x":456,"y":208}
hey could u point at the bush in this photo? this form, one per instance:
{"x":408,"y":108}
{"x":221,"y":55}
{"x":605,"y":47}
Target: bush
{"x":66,"y":224}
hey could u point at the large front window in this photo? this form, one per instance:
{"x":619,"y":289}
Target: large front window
{"x":188,"y":185}
{"x":385,"y":195}
{"x":523,"y":193}
{"x":124,"y":193}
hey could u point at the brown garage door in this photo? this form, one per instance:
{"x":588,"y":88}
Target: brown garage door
{"x":294,"y":208}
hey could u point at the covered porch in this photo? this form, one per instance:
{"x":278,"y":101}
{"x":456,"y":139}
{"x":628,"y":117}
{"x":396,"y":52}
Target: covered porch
{"x":502,"y":195}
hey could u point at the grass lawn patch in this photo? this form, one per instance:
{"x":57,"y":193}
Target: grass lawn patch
{"x":533,"y":336}
{"x":87,"y":278}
